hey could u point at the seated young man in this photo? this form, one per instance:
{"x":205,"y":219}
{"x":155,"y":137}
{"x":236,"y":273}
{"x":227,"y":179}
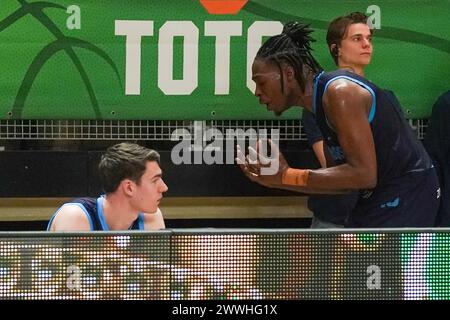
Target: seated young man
{"x":132,"y":180}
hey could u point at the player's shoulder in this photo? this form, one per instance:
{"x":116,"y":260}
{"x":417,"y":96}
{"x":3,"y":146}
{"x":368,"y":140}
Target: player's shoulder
{"x":72,"y":209}
{"x":342,"y":89}
{"x":70,"y":216}
{"x":343,"y":85}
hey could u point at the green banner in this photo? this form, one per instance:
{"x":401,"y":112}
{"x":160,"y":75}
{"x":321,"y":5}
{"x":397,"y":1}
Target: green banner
{"x":173,"y":60}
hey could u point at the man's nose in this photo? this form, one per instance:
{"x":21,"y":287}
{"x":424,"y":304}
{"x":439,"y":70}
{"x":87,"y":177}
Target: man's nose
{"x":164,"y":187}
{"x":366,"y":43}
{"x":257,"y":92}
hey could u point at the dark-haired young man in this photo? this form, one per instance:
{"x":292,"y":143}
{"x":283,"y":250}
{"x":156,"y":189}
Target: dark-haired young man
{"x":132,"y":180}
{"x":349,"y":40}
{"x":371,"y":148}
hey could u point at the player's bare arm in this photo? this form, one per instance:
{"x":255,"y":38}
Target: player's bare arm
{"x":347,"y":106}
{"x":70,"y":218}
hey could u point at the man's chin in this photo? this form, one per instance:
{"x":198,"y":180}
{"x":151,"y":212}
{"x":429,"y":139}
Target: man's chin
{"x":278,"y":113}
{"x":151,"y":210}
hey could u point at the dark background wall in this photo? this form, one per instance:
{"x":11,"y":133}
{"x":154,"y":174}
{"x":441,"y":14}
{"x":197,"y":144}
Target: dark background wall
{"x":74,"y":174}
{"x":53,"y":174}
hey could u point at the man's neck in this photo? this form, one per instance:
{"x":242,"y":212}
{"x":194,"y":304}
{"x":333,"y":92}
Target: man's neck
{"x":118,"y":214}
{"x":304,"y":99}
{"x":355,"y":69}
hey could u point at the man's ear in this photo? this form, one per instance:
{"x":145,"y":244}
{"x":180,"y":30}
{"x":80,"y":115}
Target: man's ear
{"x":290,"y":73}
{"x":127,"y":186}
{"x":334,"y":50}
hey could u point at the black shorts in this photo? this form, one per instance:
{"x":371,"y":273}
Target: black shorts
{"x":409,"y":201}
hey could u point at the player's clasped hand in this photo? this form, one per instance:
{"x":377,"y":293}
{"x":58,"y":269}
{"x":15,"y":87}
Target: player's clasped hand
{"x":260,"y":168}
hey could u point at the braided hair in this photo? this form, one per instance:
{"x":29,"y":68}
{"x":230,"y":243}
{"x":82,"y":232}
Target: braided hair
{"x":291,"y":47}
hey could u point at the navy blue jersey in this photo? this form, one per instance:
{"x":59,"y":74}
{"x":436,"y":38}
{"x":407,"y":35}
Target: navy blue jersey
{"x":329,"y":208}
{"x":404,"y":169}
{"x":93,"y":208}
{"x":335,"y":208}
{"x":312,"y":131}
{"x":437,"y":143}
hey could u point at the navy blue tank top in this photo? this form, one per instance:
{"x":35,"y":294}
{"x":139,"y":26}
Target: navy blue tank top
{"x":93,"y":208}
{"x":398,"y":150}
{"x":407,"y":189}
